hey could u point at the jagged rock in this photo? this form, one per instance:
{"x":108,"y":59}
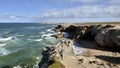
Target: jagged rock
{"x":93,"y":30}
{"x":75,"y":32}
{"x":104,"y":35}
{"x":49,"y":52}
{"x":61,"y":35}
{"x":109,"y":37}
{"x":58,"y":28}
{"x":70,"y":29}
{"x":46,"y":59}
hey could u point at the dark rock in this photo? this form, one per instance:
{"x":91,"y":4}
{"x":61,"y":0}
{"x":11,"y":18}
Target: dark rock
{"x":61,"y":35}
{"x":46,"y":59}
{"x":75,"y":32}
{"x":58,"y":28}
{"x":104,"y":35}
{"x":70,"y":29}
{"x":80,"y":61}
{"x":109,"y":37}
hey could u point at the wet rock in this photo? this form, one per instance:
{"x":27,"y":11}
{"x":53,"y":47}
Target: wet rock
{"x":46,"y":59}
{"x":61,"y":35}
{"x":58,"y":28}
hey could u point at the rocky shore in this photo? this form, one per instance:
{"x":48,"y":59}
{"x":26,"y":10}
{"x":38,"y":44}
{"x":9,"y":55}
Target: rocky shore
{"x":84,"y":46}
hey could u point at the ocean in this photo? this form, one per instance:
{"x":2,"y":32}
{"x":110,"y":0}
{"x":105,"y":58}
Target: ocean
{"x":21,"y":44}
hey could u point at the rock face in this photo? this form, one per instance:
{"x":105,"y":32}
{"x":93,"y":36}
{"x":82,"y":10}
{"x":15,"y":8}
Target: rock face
{"x":58,"y":28}
{"x":47,"y":58}
{"x":104,"y":35}
{"x":109,"y":37}
{"x":89,"y":54}
{"x":60,"y":35}
{"x":54,"y":53}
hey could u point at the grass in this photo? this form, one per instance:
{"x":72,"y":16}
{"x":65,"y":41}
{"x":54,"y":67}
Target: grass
{"x":56,"y":64}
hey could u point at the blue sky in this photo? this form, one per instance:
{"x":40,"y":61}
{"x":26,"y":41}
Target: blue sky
{"x":59,"y":10}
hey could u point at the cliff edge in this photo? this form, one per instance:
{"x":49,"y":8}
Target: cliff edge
{"x":84,"y":46}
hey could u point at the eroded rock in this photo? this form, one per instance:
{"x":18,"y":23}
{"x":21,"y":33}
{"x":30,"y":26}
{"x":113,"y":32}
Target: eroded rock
{"x":109,"y":37}
{"x":104,"y":35}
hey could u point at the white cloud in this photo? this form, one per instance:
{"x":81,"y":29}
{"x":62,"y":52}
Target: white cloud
{"x":84,"y":12}
{"x":76,"y":13}
{"x":76,"y":1}
{"x":79,"y":13}
{"x":14,"y":18}
{"x":114,"y":1}
{"x":87,"y":1}
{"x":10,"y":16}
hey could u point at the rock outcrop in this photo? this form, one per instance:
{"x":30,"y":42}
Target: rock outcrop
{"x":104,"y":35}
{"x":55,"y":53}
{"x":109,"y":37}
{"x":80,"y":47}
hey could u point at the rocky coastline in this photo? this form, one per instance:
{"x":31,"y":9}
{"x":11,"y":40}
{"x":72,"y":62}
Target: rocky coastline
{"x":84,"y":46}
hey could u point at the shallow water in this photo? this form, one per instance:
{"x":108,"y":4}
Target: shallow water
{"x":21,"y":44}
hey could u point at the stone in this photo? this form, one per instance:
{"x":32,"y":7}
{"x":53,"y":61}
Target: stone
{"x":60,"y":35}
{"x":109,"y":37}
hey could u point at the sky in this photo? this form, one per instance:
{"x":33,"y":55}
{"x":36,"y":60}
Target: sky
{"x":59,"y":10}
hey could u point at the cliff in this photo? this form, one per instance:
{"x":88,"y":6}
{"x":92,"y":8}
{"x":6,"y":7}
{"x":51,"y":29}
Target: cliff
{"x":84,"y":46}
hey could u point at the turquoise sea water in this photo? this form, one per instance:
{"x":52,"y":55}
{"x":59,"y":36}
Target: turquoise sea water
{"x":21,"y":44}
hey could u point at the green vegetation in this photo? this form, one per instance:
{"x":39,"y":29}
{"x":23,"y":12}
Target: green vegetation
{"x":56,"y":64}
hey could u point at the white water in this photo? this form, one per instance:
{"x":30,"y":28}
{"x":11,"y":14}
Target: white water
{"x":2,"y":44}
{"x":5,"y":39}
{"x":23,"y":45}
{"x":49,"y":30}
{"x":77,"y":49}
{"x":47,"y":35}
{"x":3,"y":51}
{"x":38,"y":40}
{"x":17,"y":66}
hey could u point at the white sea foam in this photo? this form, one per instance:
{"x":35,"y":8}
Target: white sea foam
{"x":47,"y":35}
{"x":5,"y":39}
{"x":77,"y":49}
{"x":42,"y":32}
{"x":3,"y":51}
{"x":37,"y":58}
{"x":38,"y":40}
{"x":2,"y":44}
{"x":7,"y":32}
{"x":30,"y":27}
{"x":17,"y":66}
{"x":20,"y":35}
{"x":49,"y":30}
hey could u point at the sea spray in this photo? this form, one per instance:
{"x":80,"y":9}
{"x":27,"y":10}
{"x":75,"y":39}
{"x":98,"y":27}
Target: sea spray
{"x":5,"y":39}
{"x":23,"y":43}
{"x":78,"y":50}
{"x":3,"y":51}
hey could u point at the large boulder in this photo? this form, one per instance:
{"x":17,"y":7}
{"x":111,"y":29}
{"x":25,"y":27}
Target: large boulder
{"x":47,"y":59}
{"x":109,"y":37}
{"x":76,"y":32}
{"x":58,"y":28}
{"x":60,"y":35}
{"x":93,"y":30}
